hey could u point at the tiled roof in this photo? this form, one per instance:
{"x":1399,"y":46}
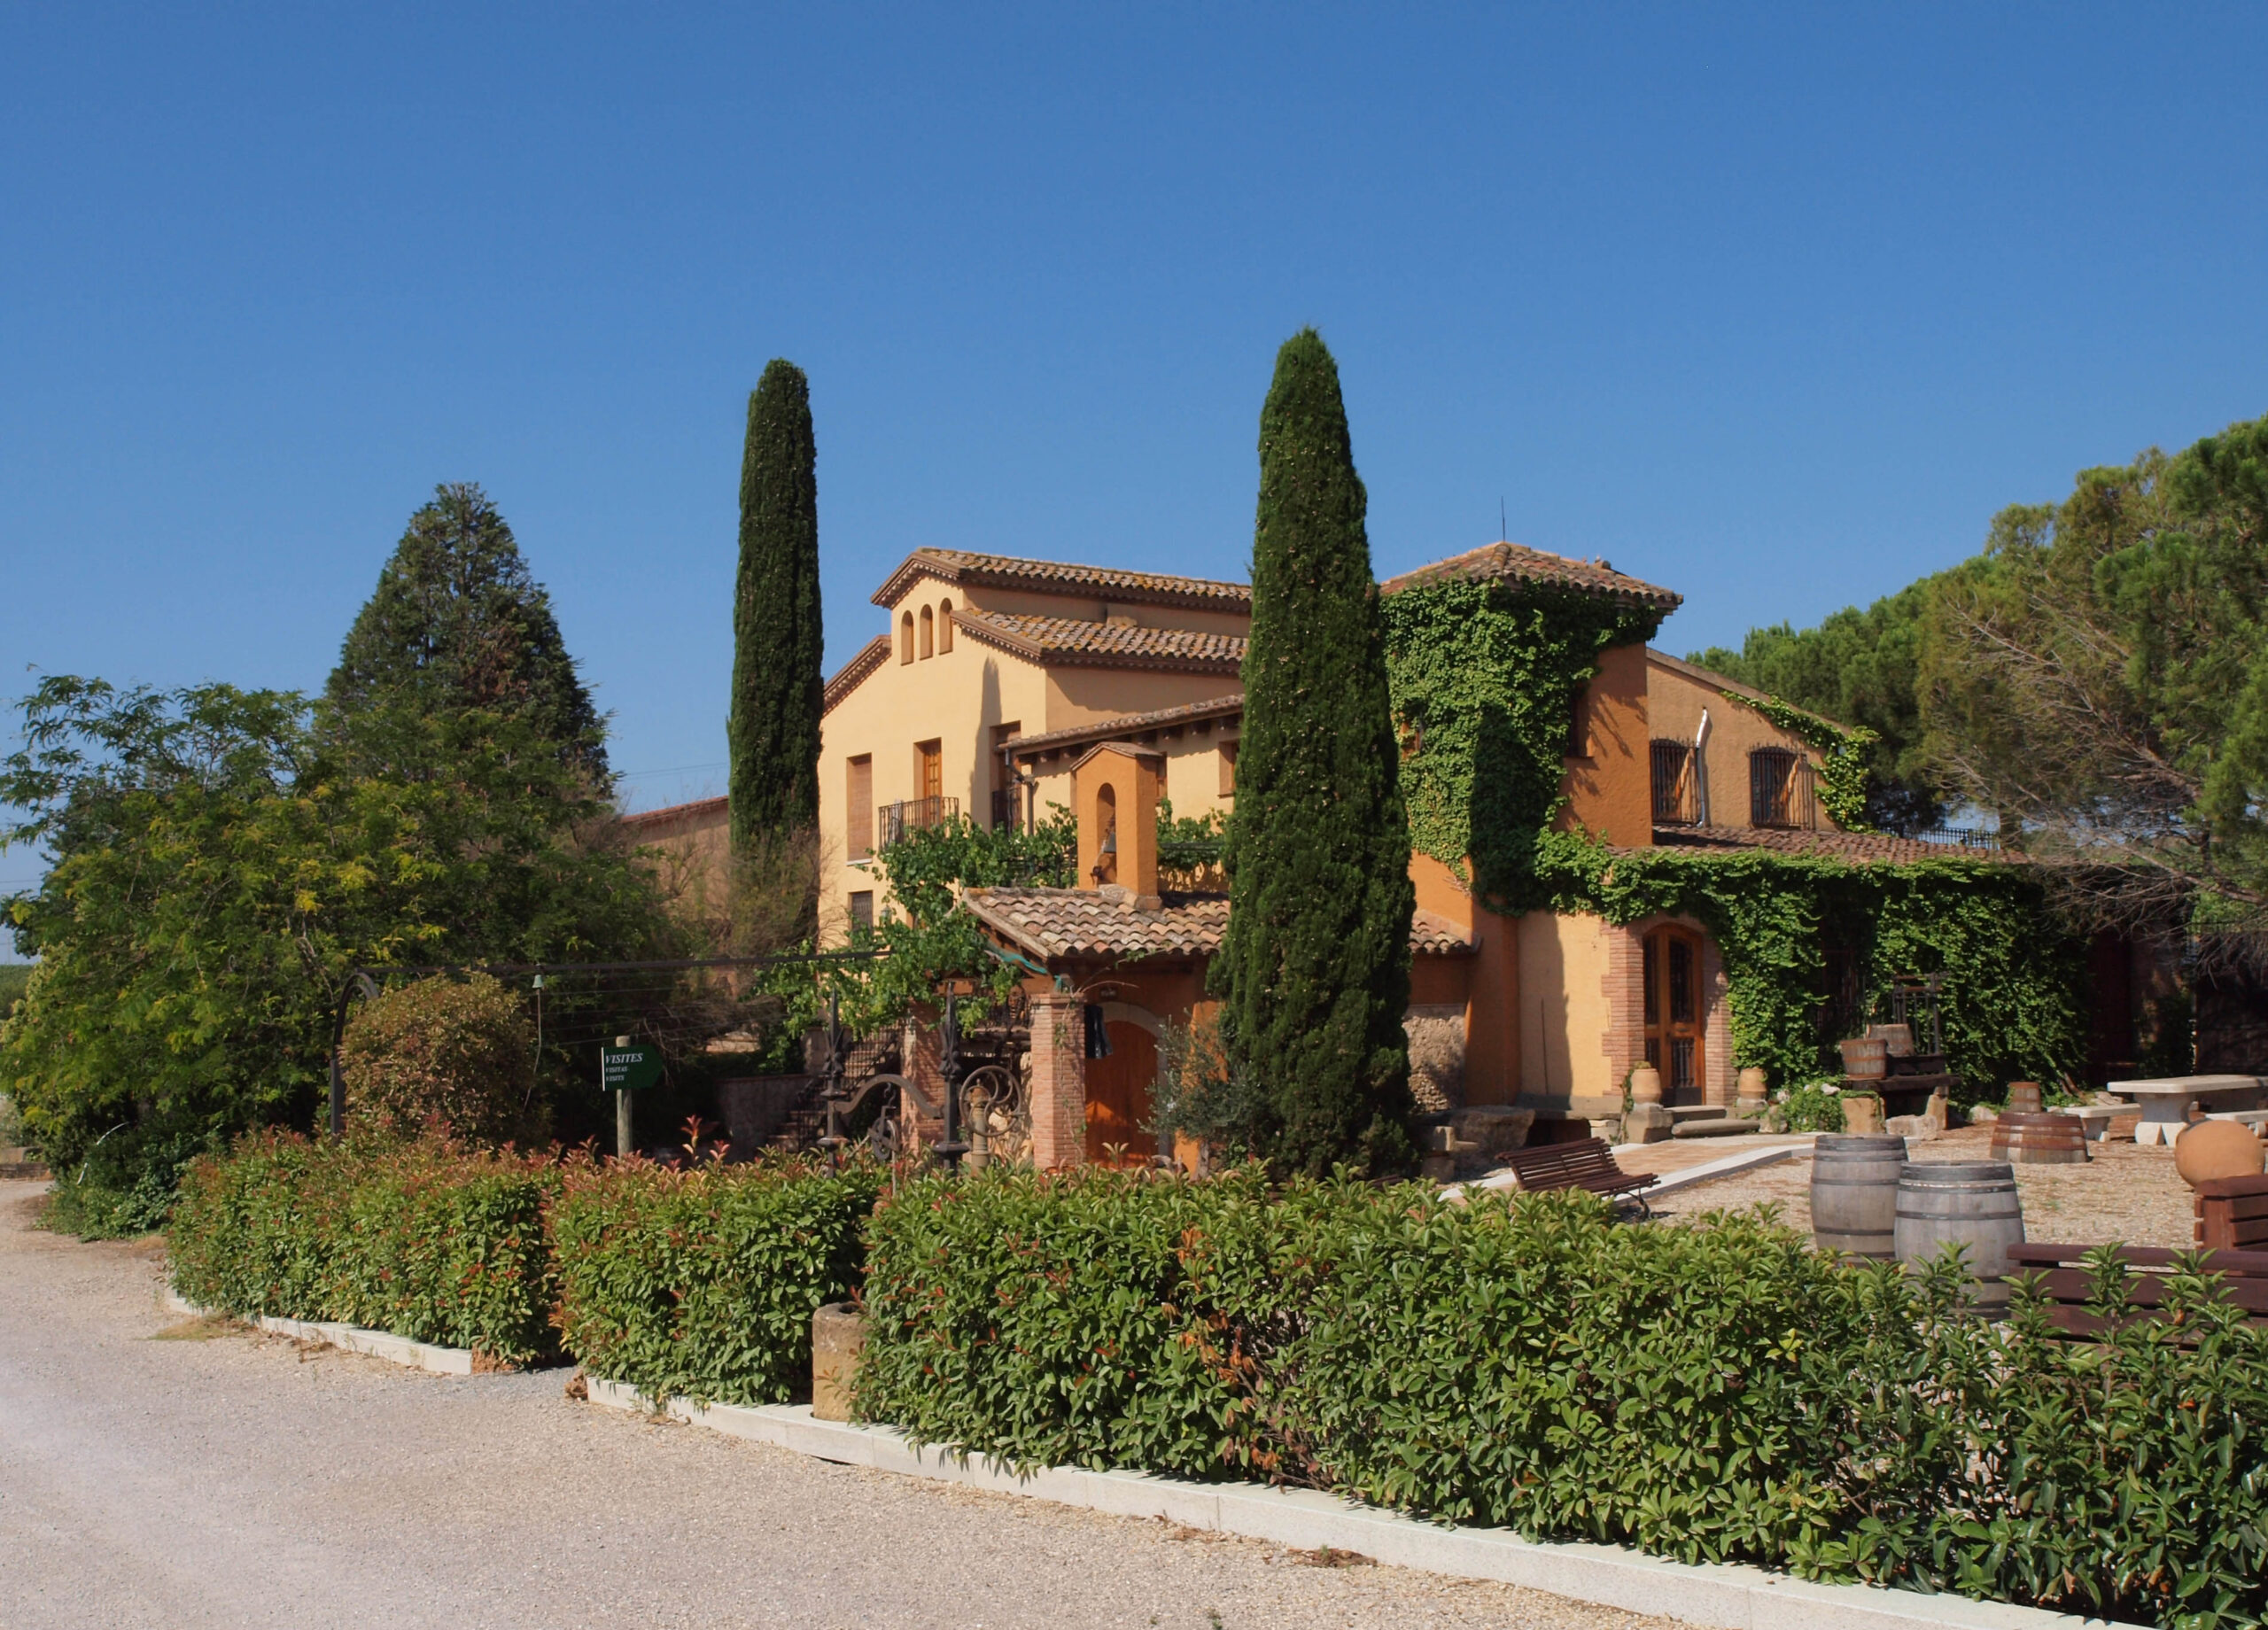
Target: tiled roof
{"x":857,"y":668}
{"x":1087,"y":923}
{"x":1106,"y":645}
{"x":1014,"y":571}
{"x":674,"y":812}
{"x":1515,"y":562}
{"x":1859,"y":847}
{"x":1130,"y":725}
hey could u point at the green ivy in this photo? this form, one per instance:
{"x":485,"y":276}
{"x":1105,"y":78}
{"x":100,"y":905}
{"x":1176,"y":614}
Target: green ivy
{"x":2011,"y":1007}
{"x":1484,"y":677}
{"x":1843,"y":764}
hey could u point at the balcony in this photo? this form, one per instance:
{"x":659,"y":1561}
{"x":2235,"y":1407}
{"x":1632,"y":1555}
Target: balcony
{"x":911,"y":815}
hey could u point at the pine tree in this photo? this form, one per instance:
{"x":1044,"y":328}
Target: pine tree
{"x":774,"y":722}
{"x":1314,"y":967}
{"x":456,"y":624}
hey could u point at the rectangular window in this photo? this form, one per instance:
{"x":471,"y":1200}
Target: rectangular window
{"x":1771,"y":788}
{"x":862,"y":916}
{"x":1229,"y":768}
{"x":858,"y":834}
{"x":1675,"y":802}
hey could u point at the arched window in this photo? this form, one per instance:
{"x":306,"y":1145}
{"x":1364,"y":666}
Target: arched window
{"x":905,"y":637}
{"x":1107,"y":834}
{"x":945,"y":627}
{"x":927,"y":633}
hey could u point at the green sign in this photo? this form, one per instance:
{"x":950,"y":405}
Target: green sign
{"x":626,"y":1069}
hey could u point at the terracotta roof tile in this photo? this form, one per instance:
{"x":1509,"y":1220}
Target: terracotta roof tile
{"x":1014,"y":571}
{"x":1860,"y":848}
{"x":1130,"y":724}
{"x":1514,"y":562}
{"x":1081,"y":923}
{"x":1066,"y":639}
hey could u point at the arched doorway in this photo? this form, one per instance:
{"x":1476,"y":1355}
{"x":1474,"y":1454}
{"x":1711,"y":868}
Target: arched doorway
{"x":1674,"y":1011}
{"x":1118,"y":1096}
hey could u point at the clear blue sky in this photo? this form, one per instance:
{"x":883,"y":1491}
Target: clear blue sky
{"x":1773,"y":306}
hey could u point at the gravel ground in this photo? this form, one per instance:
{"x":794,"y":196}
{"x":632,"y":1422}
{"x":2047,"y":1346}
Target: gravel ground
{"x":2126,"y":1192}
{"x":163,"y":1472}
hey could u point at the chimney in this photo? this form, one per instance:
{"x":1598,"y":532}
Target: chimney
{"x":1114,"y":796}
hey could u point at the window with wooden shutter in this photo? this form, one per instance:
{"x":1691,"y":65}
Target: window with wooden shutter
{"x":858,"y":838}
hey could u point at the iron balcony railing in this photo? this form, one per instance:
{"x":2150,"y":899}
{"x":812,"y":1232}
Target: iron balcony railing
{"x":916,"y":815}
{"x":1676,"y":799}
{"x":1781,"y":790}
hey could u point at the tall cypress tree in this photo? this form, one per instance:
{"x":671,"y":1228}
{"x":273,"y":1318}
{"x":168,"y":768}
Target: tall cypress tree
{"x":773,"y":725}
{"x":1313,"y":968}
{"x":458,"y":623}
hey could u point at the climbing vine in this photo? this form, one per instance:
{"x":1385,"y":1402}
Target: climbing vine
{"x":2011,"y":1004}
{"x":1485,"y":676}
{"x":1843,"y":764}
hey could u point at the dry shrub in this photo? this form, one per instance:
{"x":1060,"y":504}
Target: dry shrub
{"x":446,"y":1054}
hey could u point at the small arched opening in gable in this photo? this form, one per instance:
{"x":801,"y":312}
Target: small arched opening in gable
{"x":927,"y":633}
{"x":945,"y":627}
{"x":905,"y":637}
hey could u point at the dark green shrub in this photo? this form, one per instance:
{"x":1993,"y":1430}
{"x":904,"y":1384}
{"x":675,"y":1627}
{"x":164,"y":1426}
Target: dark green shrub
{"x":443,"y":1054}
{"x":702,"y":1283}
{"x":425,"y":1240}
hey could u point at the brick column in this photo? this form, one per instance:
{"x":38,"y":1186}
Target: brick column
{"x":1624,"y":987}
{"x":1058,"y":1081}
{"x":918,"y":1051}
{"x":1719,"y":1078}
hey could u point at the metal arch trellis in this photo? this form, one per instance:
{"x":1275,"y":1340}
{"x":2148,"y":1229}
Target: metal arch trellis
{"x":362,"y":980}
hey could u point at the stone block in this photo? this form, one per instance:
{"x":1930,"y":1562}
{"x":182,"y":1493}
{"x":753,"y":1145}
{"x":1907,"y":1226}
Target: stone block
{"x":1648,"y":1123}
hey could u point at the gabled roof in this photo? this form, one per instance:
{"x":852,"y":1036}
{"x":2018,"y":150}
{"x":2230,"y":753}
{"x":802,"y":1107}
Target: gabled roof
{"x":1126,"y":725}
{"x":1014,"y":571}
{"x":1724,"y":684}
{"x":1104,"y":645}
{"x":846,"y":679}
{"x":1515,"y":562}
{"x":1086,"y":923}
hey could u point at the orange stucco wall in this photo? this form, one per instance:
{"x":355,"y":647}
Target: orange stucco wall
{"x":1608,"y":790}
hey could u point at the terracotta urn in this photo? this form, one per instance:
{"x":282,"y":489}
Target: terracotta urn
{"x":1861,"y":1115}
{"x":2209,"y":1149}
{"x":1645,"y":1085}
{"x":1751,"y":1089}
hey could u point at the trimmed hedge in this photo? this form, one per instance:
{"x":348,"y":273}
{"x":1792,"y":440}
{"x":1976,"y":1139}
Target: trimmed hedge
{"x":702,"y":1284}
{"x":1713,"y":1392}
{"x":426,"y":1239}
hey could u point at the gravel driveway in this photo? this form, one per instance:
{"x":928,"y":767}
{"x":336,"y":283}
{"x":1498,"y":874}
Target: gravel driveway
{"x":154,"y":1472}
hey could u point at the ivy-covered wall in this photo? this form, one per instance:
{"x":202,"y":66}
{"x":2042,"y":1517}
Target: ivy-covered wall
{"x":1484,"y":675}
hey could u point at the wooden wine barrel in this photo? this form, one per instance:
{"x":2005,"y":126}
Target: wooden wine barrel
{"x":2023,"y":1097}
{"x":1854,"y":1194}
{"x":1970,"y":1203}
{"x":2041,"y":1140}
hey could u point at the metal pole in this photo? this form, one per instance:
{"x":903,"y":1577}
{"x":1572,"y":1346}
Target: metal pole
{"x":621,"y":1109}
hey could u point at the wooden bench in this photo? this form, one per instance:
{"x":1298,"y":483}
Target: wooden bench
{"x":2233,"y":1214}
{"x":1585,"y":1165}
{"x":2244,"y":1279}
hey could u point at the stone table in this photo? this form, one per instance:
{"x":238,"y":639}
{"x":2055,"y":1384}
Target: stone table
{"x":2165,"y":1102}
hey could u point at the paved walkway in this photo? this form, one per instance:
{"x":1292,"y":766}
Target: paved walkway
{"x":153,"y":1473}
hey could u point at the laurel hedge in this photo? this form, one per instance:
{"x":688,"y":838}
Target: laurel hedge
{"x":426,"y":1238}
{"x":1714,"y":1392}
{"x":702,"y":1283}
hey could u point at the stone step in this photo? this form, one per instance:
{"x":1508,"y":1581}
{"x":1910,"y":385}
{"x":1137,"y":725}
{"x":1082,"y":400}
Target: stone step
{"x":1717,"y":1126}
{"x":1679,"y":1112}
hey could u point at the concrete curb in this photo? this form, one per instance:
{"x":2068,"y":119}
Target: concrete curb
{"x":394,"y":1349}
{"x":1736,"y":1597}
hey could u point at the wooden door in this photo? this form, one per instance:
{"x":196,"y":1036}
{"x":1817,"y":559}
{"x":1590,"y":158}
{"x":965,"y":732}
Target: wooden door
{"x":1118,"y":1095}
{"x":929,"y":778}
{"x":1674,"y":1013}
